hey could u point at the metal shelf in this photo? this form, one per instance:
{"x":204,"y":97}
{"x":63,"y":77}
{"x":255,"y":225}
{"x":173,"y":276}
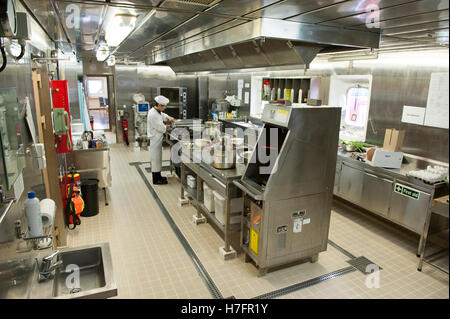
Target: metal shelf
{"x":212,"y":216}
{"x":191,"y":191}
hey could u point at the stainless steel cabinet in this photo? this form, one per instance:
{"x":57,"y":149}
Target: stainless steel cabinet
{"x":376,"y":193}
{"x":351,"y":184}
{"x":410,"y":212}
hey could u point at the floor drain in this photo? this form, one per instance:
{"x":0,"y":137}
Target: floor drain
{"x":75,"y":290}
{"x":364,"y":265}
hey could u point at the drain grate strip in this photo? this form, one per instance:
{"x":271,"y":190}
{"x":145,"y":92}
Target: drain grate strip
{"x":195,"y":260}
{"x":342,"y":250}
{"x":361,"y":263}
{"x":306,"y":284}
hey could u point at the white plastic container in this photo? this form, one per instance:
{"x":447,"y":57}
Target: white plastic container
{"x":191,"y":181}
{"x":208,"y":197}
{"x":33,"y":214}
{"x":235,"y":206}
{"x":219,"y":207}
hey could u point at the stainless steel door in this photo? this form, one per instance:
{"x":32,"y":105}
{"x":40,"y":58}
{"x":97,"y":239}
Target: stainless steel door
{"x":410,"y":212}
{"x":351,"y":184}
{"x":285,"y":241}
{"x":376,"y":193}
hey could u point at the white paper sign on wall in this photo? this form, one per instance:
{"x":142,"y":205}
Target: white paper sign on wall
{"x":413,"y":115}
{"x":437,"y":113}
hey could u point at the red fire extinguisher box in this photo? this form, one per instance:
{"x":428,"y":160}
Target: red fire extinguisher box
{"x":60,"y":99}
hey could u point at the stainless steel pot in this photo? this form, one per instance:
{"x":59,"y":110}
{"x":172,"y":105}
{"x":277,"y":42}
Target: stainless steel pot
{"x":224,"y":159}
{"x":224,"y":153}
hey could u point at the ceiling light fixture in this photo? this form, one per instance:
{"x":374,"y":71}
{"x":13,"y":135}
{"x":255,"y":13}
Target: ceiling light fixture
{"x":111,"y":61}
{"x":366,"y":56}
{"x":102,"y":52}
{"x":119,"y":28}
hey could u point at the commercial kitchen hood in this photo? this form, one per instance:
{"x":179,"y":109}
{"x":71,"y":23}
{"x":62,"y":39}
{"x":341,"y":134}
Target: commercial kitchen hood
{"x":261,"y":43}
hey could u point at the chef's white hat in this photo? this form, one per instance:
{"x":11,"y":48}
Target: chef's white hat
{"x":162,"y":100}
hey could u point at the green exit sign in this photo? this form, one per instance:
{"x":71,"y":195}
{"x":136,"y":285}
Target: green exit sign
{"x":406,"y":191}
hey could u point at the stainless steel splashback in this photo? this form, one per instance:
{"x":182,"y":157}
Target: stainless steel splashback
{"x":19,"y":75}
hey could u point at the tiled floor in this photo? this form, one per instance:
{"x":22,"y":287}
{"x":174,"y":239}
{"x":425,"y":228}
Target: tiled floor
{"x":150,"y":262}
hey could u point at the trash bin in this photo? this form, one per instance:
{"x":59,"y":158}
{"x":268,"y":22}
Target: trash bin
{"x":89,"y":191}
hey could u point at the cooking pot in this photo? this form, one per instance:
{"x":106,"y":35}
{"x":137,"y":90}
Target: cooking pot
{"x":224,"y":153}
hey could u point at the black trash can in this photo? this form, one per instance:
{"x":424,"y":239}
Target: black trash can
{"x":89,"y":191}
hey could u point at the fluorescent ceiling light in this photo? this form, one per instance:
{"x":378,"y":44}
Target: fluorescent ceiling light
{"x":119,"y":28}
{"x":353,"y":57}
{"x":111,"y":60}
{"x":102,"y":52}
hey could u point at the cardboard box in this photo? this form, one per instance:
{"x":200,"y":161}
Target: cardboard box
{"x":393,"y":140}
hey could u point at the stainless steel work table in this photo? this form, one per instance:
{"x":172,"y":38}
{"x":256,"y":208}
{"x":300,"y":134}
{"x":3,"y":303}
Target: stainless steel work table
{"x":399,"y":174}
{"x":375,"y":189}
{"x":220,"y":181}
{"x":440,"y":207}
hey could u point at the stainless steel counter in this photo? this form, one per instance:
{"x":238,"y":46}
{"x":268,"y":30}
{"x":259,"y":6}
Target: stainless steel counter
{"x":19,"y":276}
{"x":412,"y":163}
{"x":93,"y":163}
{"x":220,"y":181}
{"x":225,"y":175}
{"x":389,"y":193}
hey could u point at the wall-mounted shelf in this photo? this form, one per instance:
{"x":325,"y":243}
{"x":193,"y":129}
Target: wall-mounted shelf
{"x":290,"y":84}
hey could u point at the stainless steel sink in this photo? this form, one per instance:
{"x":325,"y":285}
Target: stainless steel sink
{"x":92,"y":273}
{"x":19,"y":277}
{"x":16,"y":277}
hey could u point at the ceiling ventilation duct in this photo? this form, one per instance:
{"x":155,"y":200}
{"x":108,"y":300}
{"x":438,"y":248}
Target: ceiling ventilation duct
{"x":261,"y":43}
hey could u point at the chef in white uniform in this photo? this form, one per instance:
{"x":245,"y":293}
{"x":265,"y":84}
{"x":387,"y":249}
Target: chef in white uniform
{"x":156,"y":128}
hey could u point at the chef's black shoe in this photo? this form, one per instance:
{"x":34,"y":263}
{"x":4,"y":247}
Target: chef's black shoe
{"x":158,"y":179}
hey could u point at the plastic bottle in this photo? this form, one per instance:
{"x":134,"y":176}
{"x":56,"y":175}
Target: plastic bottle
{"x":272,"y":94}
{"x":33,"y":214}
{"x":292,"y":95}
{"x":300,"y":96}
{"x":279,"y":94}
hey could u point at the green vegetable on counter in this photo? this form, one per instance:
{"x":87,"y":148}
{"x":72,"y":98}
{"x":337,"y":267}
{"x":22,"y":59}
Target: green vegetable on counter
{"x":361,"y":147}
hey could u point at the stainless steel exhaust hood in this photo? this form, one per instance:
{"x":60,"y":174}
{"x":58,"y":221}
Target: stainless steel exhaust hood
{"x":261,"y":43}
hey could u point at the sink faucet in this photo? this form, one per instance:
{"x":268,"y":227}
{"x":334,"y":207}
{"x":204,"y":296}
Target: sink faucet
{"x":47,"y":266}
